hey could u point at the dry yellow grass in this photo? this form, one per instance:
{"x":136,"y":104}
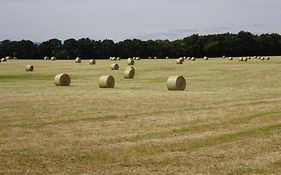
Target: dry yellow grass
{"x":222,"y":123}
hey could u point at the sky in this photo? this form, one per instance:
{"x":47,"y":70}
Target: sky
{"x":41,"y":20}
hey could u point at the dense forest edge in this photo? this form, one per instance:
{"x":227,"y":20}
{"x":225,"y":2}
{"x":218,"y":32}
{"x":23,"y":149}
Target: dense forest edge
{"x":228,"y":44}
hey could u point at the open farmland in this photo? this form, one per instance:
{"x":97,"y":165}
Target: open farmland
{"x":227,"y":121}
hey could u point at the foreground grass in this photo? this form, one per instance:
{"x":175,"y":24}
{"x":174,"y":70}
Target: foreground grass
{"x":226,"y":122}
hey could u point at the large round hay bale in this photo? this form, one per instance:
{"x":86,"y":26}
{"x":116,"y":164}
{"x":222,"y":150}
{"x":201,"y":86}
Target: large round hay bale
{"x":267,"y":58}
{"x":46,"y":58}
{"x":130,"y":62}
{"x":29,"y":68}
{"x":78,"y":60}
{"x":262,"y":58}
{"x":230,"y":58}
{"x":118,"y":58}
{"x":114,"y":66}
{"x":167,"y":57}
{"x":245,"y":59}
{"x":223,"y":56}
{"x":188,"y":58}
{"x":106,"y":81}
{"x":62,"y":80}
{"x":149,"y":57}
{"x":241,"y":59}
{"x":193,"y":59}
{"x":180,"y":60}
{"x":138,"y":58}
{"x":176,"y":83}
{"x":92,"y":61}
{"x":53,"y":58}
{"x":8,"y":57}
{"x":155,"y":57}
{"x":129,"y":73}
{"x":4,"y":60}
{"x":205,"y":58}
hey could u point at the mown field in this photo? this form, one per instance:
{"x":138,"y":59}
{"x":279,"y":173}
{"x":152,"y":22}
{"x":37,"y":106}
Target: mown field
{"x":227,"y":121}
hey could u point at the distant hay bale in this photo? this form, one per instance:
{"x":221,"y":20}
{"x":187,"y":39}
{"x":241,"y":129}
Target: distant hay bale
{"x":155,"y":58}
{"x":4,"y":60}
{"x":130,"y":62}
{"x":114,"y":58}
{"x":92,"y":61}
{"x":180,"y":60}
{"x":262,"y":58}
{"x":205,"y":58}
{"x":15,"y":58}
{"x":188,"y":58}
{"x":267,"y":58}
{"x":53,"y":58}
{"x":114,"y":66}
{"x":193,"y":59}
{"x":29,"y":68}
{"x":167,"y":57}
{"x":149,"y":57}
{"x":138,"y":58}
{"x":258,"y":57}
{"x":62,"y":80}
{"x":241,"y":59}
{"x":245,"y":59}
{"x":78,"y":60}
{"x":118,"y":58}
{"x":46,"y":58}
{"x":106,"y":81}
{"x":129,"y":73}
{"x":230,"y":58}
{"x":184,"y":57}
{"x":223,"y":56}
{"x":8,"y":57}
{"x":176,"y":83}
{"x":255,"y":57}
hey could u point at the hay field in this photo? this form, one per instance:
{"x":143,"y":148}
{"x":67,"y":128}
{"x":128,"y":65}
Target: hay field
{"x":227,"y":121}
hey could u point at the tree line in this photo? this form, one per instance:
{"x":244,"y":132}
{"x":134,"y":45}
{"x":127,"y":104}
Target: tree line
{"x":228,"y":44}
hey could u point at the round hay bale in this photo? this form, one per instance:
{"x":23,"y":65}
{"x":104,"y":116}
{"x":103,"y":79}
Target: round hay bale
{"x":223,"y":56}
{"x":46,"y":58}
{"x":184,"y":57}
{"x":241,"y":59}
{"x":53,"y":58}
{"x":118,"y":58}
{"x":114,"y":66}
{"x":29,"y":68}
{"x":130,"y":62}
{"x":106,"y":81}
{"x":167,"y":57}
{"x":262,"y":58}
{"x":176,"y":83}
{"x":155,"y":57}
{"x":8,"y":57}
{"x":92,"y":61}
{"x":193,"y":59}
{"x":15,"y":58}
{"x":138,"y":58}
{"x":230,"y":58}
{"x":78,"y":60}
{"x":205,"y":58}
{"x":62,"y":80}
{"x":180,"y":61}
{"x":4,"y":60}
{"x":149,"y":57}
{"x":129,"y":73}
{"x":245,"y":59}
{"x":267,"y":58}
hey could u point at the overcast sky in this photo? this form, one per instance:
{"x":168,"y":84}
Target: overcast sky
{"x":40,"y":20}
